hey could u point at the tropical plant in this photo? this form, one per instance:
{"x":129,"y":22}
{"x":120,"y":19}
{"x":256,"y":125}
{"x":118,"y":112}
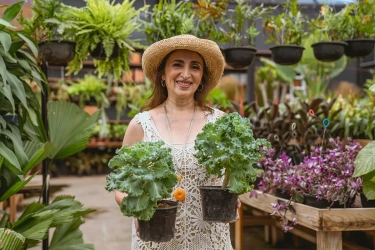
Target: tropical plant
{"x":234,"y":153}
{"x":105,"y":23}
{"x":48,"y":21}
{"x":361,"y":20}
{"x":169,"y":18}
{"x":240,"y":26}
{"x":145,"y":172}
{"x":289,"y":27}
{"x":364,"y":168}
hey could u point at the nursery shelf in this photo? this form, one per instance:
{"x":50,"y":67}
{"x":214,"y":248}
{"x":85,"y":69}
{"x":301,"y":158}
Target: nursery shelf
{"x":328,"y":223}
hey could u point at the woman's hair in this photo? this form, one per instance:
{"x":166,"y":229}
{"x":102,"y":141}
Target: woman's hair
{"x":160,"y":93}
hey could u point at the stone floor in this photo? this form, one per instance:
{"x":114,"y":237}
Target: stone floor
{"x":108,"y":229}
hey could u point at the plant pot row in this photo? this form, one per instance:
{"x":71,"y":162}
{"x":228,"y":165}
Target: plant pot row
{"x":239,"y":57}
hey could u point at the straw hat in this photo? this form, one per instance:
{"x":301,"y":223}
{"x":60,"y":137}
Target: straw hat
{"x":208,"y":49}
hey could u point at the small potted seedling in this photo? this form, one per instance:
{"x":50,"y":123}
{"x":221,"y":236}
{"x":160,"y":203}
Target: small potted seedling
{"x":228,"y":149}
{"x":145,"y":172}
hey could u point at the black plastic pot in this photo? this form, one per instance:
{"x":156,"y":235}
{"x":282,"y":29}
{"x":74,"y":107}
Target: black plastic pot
{"x":365,"y":202}
{"x":328,"y":51}
{"x":218,"y":205}
{"x":311,"y":200}
{"x":99,"y":53}
{"x":239,"y":57}
{"x":359,"y":47}
{"x":57,"y":52}
{"x":161,"y":227}
{"x":282,"y":193}
{"x":287,"y":54}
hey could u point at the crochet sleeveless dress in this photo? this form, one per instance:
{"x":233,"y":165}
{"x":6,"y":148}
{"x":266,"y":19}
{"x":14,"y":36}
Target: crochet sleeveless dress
{"x":192,"y":232}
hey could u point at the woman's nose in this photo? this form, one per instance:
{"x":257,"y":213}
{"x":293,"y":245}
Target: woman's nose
{"x":185,"y":73}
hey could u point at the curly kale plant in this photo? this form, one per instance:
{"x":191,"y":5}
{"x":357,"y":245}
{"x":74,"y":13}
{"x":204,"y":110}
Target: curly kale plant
{"x":227,"y":147}
{"x":145,"y":172}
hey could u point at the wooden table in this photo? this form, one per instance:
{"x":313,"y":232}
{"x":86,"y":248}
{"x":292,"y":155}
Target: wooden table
{"x":328,"y":223}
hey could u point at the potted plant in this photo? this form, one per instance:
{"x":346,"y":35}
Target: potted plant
{"x":103,"y":30}
{"x":168,"y":19}
{"x":227,"y":149}
{"x":365,"y":169}
{"x":145,"y":172}
{"x":361,"y":31}
{"x":287,"y":30}
{"x":241,"y":32}
{"x":329,"y":29}
{"x":50,"y":27}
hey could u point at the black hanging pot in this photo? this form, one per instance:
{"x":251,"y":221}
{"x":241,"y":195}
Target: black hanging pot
{"x":328,"y":51}
{"x":365,"y":202}
{"x":239,"y":57}
{"x":161,"y":227}
{"x":312,"y":201}
{"x":99,"y":52}
{"x":57,"y":52}
{"x":287,"y":54}
{"x":359,"y":47}
{"x":218,"y":205}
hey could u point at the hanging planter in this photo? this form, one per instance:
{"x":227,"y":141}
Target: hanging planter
{"x":57,"y":52}
{"x":161,"y":227}
{"x":328,"y":51}
{"x":218,"y":204}
{"x":359,"y":47}
{"x":99,"y":52}
{"x":239,"y":57}
{"x":287,"y":54}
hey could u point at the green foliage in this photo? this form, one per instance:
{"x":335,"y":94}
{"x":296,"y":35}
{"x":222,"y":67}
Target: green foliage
{"x":365,"y":166}
{"x":169,"y":19}
{"x":240,"y":26}
{"x":361,"y":20}
{"x":145,"y":172}
{"x":287,"y":27}
{"x":229,"y":145}
{"x":219,"y":99}
{"x":48,"y":21}
{"x":10,"y":239}
{"x":89,"y":87}
{"x":104,"y":22}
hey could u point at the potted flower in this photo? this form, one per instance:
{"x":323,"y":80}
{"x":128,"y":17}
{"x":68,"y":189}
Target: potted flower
{"x":145,"y":172}
{"x":169,"y":18}
{"x":287,"y":30}
{"x":227,"y":149}
{"x":50,"y":27}
{"x":103,"y":30}
{"x":361,"y":31}
{"x":329,"y":29}
{"x":241,"y":32}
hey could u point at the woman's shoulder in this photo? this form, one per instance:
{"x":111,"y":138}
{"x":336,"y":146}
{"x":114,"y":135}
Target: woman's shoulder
{"x":213,"y":114}
{"x":142,"y":117}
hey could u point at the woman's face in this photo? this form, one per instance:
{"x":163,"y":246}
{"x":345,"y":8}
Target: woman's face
{"x":183,"y":73}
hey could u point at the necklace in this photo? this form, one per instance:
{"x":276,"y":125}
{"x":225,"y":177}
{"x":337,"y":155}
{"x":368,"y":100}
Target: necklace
{"x":169,"y":129}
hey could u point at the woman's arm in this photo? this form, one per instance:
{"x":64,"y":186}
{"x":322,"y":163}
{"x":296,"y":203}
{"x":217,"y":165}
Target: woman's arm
{"x":134,"y":133}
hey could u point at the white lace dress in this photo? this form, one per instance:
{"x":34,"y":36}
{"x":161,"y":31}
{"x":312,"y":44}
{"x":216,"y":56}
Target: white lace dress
{"x":192,"y":233}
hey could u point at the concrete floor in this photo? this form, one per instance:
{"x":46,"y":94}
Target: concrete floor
{"x":108,"y":229}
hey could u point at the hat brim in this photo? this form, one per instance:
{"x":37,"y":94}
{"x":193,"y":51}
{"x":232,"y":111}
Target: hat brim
{"x":209,"y":50}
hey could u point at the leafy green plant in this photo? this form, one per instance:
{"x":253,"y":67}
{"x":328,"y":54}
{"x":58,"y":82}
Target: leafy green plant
{"x":364,"y":166}
{"x":219,"y":100}
{"x":361,"y":20}
{"x":48,"y":21}
{"x":287,"y":27}
{"x":118,"y":131}
{"x":169,"y":18}
{"x":240,"y":26}
{"x":228,"y":148}
{"x":88,"y":88}
{"x":145,"y":172}
{"x":103,"y":22}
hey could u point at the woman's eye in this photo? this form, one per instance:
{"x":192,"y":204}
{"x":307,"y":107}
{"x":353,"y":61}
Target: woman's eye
{"x":196,"y":67}
{"x":177,"y":64}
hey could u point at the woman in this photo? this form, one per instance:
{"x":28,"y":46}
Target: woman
{"x":183,"y":70}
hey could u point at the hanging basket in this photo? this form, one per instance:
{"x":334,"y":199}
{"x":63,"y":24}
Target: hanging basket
{"x":161,"y":227}
{"x":359,"y":47}
{"x":328,"y":51}
{"x":239,"y":57}
{"x":218,"y":205}
{"x":57,"y":52}
{"x":99,"y":53}
{"x":287,"y":54}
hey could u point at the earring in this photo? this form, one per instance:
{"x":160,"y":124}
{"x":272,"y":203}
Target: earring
{"x":200,"y":85}
{"x":163,"y":83}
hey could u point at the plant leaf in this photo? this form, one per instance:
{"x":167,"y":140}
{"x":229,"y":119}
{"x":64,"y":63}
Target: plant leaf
{"x":365,"y":160}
